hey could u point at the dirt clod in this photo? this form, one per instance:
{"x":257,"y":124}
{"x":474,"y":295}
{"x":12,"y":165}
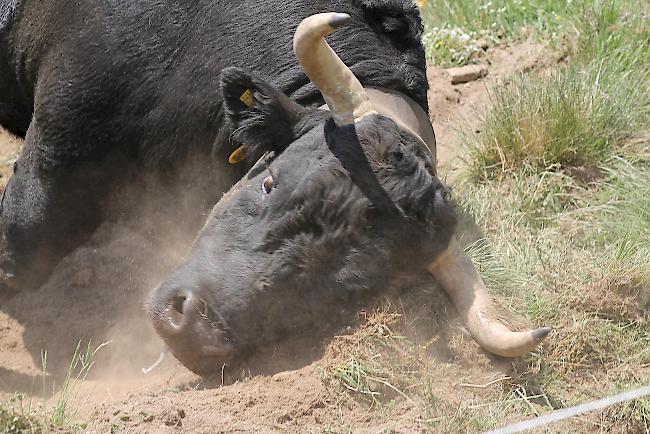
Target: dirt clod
{"x":174,"y":418}
{"x":467,"y":73}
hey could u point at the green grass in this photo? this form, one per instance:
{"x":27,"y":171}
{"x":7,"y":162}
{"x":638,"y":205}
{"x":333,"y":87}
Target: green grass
{"x":501,"y":17}
{"x":573,"y":117}
{"x":16,"y":416}
{"x":576,"y":258}
{"x":452,"y":28}
{"x":449,"y":47}
{"x":512,"y":19}
{"x":617,"y":31}
{"x":577,"y":115}
{"x":600,"y":27}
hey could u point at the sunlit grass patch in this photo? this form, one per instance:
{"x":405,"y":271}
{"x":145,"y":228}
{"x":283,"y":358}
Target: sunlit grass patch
{"x":575,"y":257}
{"x":616,"y":30}
{"x":571,"y":118}
{"x":558,"y":191}
{"x":597,"y":23}
{"x":502,"y":18}
{"x":540,"y":226}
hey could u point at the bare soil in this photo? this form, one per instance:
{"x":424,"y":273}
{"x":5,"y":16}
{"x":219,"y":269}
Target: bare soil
{"x":96,"y":295}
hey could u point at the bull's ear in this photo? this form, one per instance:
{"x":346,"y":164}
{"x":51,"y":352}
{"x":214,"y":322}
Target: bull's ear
{"x":259,"y":117}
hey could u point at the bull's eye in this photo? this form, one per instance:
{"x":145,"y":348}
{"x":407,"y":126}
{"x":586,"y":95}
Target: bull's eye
{"x":268,"y":184}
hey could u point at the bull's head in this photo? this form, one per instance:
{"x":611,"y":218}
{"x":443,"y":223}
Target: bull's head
{"x":341,"y":203}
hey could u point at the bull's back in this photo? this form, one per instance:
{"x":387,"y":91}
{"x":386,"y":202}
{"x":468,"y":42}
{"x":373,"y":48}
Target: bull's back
{"x":15,"y":108}
{"x":145,"y":75}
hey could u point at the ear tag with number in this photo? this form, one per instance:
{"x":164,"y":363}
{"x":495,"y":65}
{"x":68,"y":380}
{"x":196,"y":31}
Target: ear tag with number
{"x":238,"y":155}
{"x":247,"y":97}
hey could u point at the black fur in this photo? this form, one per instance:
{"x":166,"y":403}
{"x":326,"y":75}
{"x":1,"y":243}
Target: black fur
{"x":344,"y":144}
{"x":102,"y":91}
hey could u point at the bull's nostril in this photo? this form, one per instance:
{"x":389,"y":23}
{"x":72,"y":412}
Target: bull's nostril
{"x":176,"y":309}
{"x":178,"y":302}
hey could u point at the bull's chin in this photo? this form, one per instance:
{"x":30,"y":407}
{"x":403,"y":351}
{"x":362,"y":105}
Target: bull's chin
{"x":203,"y":364}
{"x":203,"y":353}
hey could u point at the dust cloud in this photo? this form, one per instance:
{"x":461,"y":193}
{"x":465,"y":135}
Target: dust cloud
{"x":96,"y":295}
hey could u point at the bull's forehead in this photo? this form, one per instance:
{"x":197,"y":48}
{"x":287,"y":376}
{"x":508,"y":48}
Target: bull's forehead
{"x":297,"y":158}
{"x":311,"y":159}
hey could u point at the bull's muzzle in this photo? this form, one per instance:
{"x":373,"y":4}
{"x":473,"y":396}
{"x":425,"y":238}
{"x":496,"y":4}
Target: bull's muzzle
{"x":188,"y":326}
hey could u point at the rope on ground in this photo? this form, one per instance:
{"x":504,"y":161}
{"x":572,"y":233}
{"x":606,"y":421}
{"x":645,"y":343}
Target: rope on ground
{"x":567,"y":413}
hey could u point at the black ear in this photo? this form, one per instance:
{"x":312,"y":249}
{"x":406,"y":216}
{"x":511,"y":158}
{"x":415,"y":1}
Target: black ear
{"x":259,"y":117}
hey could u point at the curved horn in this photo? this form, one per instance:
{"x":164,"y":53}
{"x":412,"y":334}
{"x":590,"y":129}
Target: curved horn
{"x":343,"y":93}
{"x":457,"y":275}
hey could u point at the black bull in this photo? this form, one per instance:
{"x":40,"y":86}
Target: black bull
{"x":103,"y":89}
{"x":99,"y":89}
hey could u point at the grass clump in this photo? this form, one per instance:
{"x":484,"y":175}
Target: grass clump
{"x":15,"y":418}
{"x":573,"y":117}
{"x":80,"y":365}
{"x":579,"y":114}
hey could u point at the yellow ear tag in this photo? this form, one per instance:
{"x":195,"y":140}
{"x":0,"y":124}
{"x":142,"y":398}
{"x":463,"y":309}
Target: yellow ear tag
{"x":247,"y":97}
{"x":238,"y":155}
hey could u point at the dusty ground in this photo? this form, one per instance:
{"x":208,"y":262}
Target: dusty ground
{"x":96,"y":295}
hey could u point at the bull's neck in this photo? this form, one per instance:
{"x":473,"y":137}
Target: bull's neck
{"x":406,"y":112}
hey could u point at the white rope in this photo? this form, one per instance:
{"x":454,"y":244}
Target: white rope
{"x":567,"y":413}
{"x":147,"y":371}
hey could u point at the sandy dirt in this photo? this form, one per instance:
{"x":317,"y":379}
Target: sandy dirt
{"x":96,"y":295}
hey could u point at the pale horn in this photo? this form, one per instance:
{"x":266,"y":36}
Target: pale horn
{"x":342,"y":91}
{"x":457,"y":275}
